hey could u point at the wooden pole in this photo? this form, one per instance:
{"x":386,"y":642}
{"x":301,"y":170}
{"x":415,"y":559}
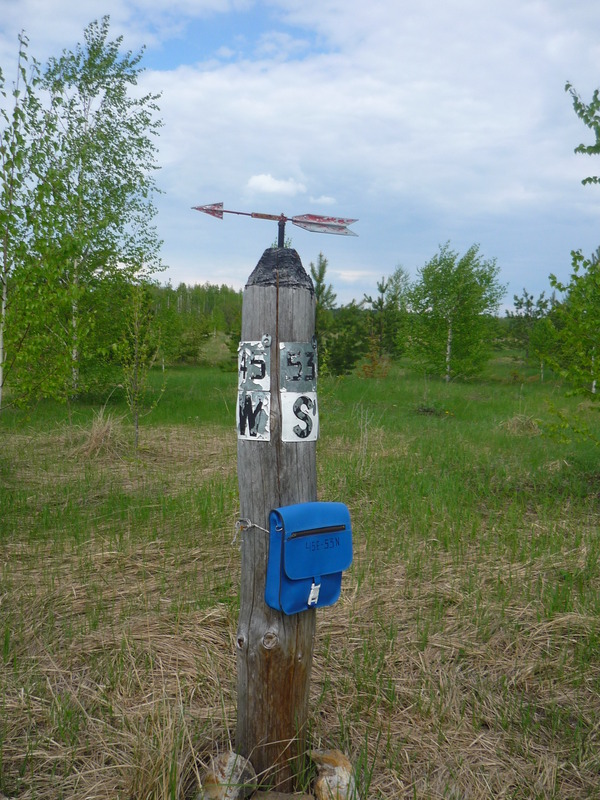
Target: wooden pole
{"x":274,"y":651}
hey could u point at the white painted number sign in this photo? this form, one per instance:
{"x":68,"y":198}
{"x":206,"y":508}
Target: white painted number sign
{"x":297,"y":388}
{"x":254,"y":366}
{"x":299,"y":417}
{"x":253,"y":411}
{"x":298,"y":367}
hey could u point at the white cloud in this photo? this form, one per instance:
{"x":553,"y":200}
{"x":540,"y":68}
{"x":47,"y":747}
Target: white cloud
{"x":225,"y":53}
{"x":267,"y":184}
{"x":426,"y":126}
{"x":280,"y":46}
{"x":323,"y":200}
{"x":352,"y":275}
{"x":428,"y":122}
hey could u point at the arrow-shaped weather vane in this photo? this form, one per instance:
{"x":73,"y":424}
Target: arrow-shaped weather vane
{"x":310,"y":222}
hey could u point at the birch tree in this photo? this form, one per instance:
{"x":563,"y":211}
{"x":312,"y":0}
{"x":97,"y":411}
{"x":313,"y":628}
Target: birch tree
{"x":453,"y":302}
{"x":138,"y":351}
{"x":578,"y":331}
{"x":589,"y":114}
{"x":577,"y":356}
{"x":19,"y":112}
{"x":95,"y":208}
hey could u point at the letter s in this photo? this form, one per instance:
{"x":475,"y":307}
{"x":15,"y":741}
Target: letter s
{"x":299,"y":413}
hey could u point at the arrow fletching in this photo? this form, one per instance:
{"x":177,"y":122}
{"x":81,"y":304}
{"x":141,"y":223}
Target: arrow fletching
{"x":318,"y":224}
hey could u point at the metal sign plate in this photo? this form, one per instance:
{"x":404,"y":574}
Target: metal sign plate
{"x":253,"y":413}
{"x":297,"y":386}
{"x":299,"y":417}
{"x":254,"y":365}
{"x":298,"y":367}
{"x":253,"y":409}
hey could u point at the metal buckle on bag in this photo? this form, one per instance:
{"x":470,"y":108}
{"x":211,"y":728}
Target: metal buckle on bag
{"x":313,"y":597}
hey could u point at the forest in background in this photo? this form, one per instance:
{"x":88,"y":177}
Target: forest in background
{"x":82,"y":313}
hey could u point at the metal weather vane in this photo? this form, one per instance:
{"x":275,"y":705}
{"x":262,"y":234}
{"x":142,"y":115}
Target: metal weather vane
{"x":310,"y":222}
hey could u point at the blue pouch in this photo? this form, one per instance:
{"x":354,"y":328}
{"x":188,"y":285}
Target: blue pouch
{"x":310,"y":545}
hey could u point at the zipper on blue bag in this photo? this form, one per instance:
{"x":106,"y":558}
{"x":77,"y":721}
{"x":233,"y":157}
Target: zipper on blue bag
{"x":316,"y":531}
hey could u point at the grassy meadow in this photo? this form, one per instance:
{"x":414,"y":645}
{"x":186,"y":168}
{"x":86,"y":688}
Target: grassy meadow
{"x":462,"y":661}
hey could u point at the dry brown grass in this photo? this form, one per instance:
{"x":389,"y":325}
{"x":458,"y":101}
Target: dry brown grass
{"x":438,"y":675}
{"x":449,"y":704}
{"x":105,"y":436}
{"x":117,"y":686}
{"x":521,"y":425}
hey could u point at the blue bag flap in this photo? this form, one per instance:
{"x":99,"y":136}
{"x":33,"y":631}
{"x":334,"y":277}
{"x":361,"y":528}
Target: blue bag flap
{"x":317,"y":539}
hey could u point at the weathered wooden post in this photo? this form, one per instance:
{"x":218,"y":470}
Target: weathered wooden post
{"x":277,"y":424}
{"x":277,"y":433}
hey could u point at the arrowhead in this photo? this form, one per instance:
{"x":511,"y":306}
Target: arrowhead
{"x":214,"y":209}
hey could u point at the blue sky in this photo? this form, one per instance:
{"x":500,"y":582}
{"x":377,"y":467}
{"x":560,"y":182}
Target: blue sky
{"x":429,"y":122}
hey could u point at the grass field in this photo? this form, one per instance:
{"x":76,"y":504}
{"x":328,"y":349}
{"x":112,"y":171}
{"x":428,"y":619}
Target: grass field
{"x":462,"y":661}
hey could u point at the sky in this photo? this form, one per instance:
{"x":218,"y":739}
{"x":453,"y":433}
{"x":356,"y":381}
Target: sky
{"x":430,"y":122}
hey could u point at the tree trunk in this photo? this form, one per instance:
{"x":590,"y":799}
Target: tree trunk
{"x":74,"y":349}
{"x":274,"y":651}
{"x":136,"y":400}
{"x":2,"y":324}
{"x":448,"y":350}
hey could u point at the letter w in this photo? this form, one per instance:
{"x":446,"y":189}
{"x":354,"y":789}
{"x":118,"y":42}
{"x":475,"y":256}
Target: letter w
{"x":249,"y":417}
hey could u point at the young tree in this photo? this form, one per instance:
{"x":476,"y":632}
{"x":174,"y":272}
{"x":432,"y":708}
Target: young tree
{"x":348,"y":340}
{"x":589,"y":114}
{"x":94,"y":208}
{"x":325,"y":304}
{"x":543,"y":341}
{"x":388,"y":312}
{"x":400,"y":284}
{"x":452,"y":305}
{"x":324,"y":295}
{"x":138,"y":350}
{"x":577,"y":315}
{"x":525,"y":317}
{"x":382,"y":312}
{"x":577,"y":355}
{"x":18,"y":125}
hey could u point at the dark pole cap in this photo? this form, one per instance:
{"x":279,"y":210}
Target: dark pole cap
{"x":281,"y":266}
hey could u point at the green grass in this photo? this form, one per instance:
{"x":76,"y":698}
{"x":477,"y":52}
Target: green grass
{"x":463,"y":659}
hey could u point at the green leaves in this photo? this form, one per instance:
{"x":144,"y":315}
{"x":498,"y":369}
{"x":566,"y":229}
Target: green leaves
{"x":18,"y":127}
{"x":577,"y":334}
{"x":526,"y":316}
{"x":388,"y":315}
{"x":577,"y":352}
{"x":76,"y":186}
{"x":324,"y":298}
{"x":138,"y":350}
{"x":589,"y":114}
{"x":452,"y":304}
